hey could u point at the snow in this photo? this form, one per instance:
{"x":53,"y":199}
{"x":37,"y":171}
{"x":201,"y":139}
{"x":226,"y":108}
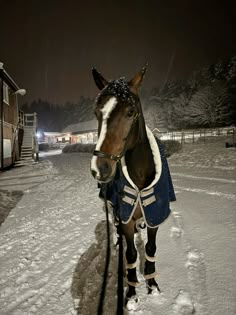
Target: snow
{"x":53,"y":242}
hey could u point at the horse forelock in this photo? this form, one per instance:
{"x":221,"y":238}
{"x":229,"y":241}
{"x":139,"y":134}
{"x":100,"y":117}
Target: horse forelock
{"x":120,"y":89}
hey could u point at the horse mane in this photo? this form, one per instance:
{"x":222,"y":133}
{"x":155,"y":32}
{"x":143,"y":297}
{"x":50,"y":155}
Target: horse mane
{"x":142,"y":135}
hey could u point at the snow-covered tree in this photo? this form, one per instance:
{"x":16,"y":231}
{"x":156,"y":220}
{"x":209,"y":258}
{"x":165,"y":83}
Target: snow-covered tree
{"x":208,"y":107}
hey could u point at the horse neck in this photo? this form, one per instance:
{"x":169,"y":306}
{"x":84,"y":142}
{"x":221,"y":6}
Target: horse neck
{"x":139,"y":159}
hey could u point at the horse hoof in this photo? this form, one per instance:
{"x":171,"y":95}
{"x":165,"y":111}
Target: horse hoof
{"x":132,"y":303}
{"x":154,"y":291}
{"x":152,"y":286}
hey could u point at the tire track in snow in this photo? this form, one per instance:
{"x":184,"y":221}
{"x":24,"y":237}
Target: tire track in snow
{"x":36,"y":300}
{"x":194,"y":165}
{"x":215,"y":179}
{"x":30,"y":276}
{"x":229,"y":220}
{"x":33,"y":300}
{"x":208,"y":192}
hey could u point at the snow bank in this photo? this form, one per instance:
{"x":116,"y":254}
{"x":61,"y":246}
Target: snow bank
{"x":211,"y":153}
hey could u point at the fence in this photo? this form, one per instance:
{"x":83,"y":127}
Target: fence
{"x":191,"y":136}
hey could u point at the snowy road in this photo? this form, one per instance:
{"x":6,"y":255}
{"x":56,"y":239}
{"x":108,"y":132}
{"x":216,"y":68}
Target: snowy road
{"x":44,"y":236}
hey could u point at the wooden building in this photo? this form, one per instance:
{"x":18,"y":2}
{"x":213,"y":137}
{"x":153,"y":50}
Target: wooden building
{"x":83,"y":132}
{"x":10,"y":124}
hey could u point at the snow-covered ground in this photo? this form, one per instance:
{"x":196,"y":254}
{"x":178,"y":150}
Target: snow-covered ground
{"x":49,"y":253}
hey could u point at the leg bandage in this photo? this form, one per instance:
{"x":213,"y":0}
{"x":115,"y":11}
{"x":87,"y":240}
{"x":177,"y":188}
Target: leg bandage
{"x":149,"y":258}
{"x":150,"y":276}
{"x":131,"y":266}
{"x":133,"y":284}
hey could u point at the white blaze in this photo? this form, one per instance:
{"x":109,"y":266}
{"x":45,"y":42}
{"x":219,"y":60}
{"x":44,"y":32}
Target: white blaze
{"x":106,"y":112}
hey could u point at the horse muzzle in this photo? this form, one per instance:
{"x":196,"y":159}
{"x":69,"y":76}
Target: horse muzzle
{"x":103,"y":166}
{"x":102,"y":171}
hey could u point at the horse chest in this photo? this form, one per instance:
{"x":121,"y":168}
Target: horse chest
{"x":142,"y":180}
{"x":142,"y":172}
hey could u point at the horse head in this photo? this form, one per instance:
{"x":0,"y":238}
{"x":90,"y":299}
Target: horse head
{"x":119,"y":116}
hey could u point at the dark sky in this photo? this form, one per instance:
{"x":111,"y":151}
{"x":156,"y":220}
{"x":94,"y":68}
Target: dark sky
{"x":49,"y":47}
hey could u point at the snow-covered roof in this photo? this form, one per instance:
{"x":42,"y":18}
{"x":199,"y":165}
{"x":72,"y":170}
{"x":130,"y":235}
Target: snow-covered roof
{"x":51,"y":134}
{"x":82,"y":127}
{"x":7,"y":77}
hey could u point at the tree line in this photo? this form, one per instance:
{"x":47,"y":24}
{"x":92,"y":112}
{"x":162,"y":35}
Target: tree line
{"x":55,"y":117}
{"x":206,"y":99}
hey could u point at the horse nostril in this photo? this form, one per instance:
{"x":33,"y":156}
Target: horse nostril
{"x":105,"y":169}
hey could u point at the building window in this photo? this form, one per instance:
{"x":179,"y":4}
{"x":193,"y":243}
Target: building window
{"x":5,"y":93}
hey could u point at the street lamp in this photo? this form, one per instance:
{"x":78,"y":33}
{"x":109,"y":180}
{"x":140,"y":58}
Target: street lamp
{"x":21,"y":92}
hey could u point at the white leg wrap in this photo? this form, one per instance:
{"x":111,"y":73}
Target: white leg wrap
{"x":151,"y":259}
{"x":133,"y":284}
{"x":131,"y":266}
{"x":152,"y":275}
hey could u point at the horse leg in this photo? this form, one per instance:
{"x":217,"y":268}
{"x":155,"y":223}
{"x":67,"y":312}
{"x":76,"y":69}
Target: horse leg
{"x":131,"y":258}
{"x":149,"y":267}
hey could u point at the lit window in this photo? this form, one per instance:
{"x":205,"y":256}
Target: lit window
{"x":5,"y":93}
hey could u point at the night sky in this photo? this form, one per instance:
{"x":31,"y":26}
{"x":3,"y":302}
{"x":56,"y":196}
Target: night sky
{"x":49,"y":47}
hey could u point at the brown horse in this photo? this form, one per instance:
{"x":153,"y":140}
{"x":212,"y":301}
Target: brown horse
{"x":124,"y":139}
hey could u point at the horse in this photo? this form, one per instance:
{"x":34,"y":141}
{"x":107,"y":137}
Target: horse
{"x":131,"y":162}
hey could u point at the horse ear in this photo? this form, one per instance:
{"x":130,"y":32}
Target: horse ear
{"x":135,"y":83}
{"x":99,"y":80}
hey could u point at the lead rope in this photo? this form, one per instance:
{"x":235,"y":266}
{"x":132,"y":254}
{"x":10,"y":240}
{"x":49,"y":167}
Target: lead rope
{"x":120,"y":289}
{"x":120,"y":298}
{"x":108,"y":253}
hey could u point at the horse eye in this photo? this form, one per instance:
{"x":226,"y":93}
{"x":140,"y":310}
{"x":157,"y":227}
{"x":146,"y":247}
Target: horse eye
{"x":130,"y":113}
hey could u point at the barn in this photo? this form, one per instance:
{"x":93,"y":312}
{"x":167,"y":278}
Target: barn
{"x":11,"y":128}
{"x":83,"y":132}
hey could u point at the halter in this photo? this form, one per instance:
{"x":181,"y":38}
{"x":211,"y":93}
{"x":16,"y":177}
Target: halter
{"x":118,"y":157}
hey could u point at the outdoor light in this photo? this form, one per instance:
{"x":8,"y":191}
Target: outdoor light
{"x":21,"y":92}
{"x":38,"y":134}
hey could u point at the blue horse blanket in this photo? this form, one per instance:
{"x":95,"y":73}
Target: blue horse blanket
{"x":124,"y":195}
